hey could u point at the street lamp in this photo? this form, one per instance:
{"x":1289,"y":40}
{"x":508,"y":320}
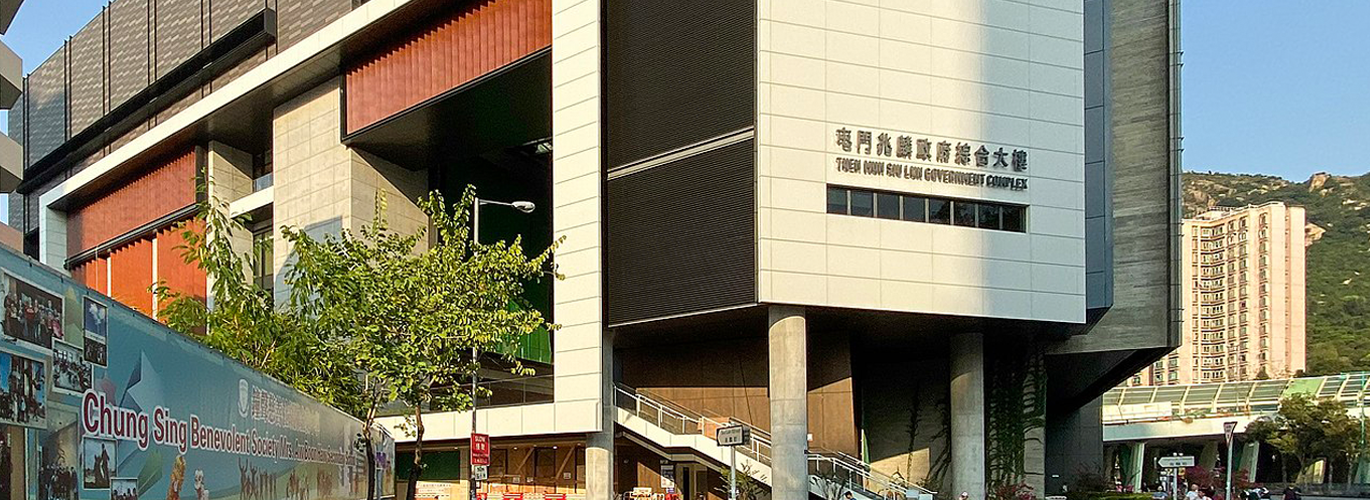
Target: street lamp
{"x":526,"y":207}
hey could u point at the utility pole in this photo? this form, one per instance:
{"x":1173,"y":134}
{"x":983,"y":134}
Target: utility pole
{"x":525,"y":207}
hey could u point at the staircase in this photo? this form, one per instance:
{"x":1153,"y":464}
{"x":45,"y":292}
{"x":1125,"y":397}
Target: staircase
{"x":660,"y":424}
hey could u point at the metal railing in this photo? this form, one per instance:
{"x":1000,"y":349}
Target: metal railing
{"x":853,"y":473}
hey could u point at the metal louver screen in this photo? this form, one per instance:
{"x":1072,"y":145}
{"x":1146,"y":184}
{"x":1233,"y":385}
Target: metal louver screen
{"x":677,"y":73}
{"x":682,"y":236}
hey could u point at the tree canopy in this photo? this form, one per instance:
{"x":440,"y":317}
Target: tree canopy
{"x":373,"y":317}
{"x":1306,"y":429}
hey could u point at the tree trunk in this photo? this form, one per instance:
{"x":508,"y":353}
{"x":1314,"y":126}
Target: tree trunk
{"x":418,"y":455}
{"x":370,"y":466}
{"x":370,"y":451}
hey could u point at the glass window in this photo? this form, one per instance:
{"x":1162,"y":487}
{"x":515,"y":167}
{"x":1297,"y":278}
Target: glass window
{"x":939,"y":211}
{"x":1015,"y":218}
{"x":837,"y":200}
{"x":887,"y":206}
{"x":262,"y":262}
{"x":499,"y":462}
{"x":915,"y":209}
{"x":862,"y":203}
{"x":963,"y":213}
{"x":545,"y":465}
{"x":988,"y":217}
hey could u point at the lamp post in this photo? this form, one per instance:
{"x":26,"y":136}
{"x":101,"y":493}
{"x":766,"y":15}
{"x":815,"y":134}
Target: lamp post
{"x":522,"y":206}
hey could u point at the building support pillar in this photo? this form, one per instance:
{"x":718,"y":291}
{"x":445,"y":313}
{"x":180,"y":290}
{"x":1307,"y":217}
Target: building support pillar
{"x":967,"y":414}
{"x":1208,"y":458}
{"x":1250,"y":456}
{"x":599,"y":446}
{"x":1136,"y":459}
{"x":788,"y":334}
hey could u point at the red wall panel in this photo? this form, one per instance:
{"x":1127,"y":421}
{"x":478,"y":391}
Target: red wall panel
{"x":172,"y":268}
{"x":475,"y":40}
{"x":131,"y":275}
{"x":163,"y":188}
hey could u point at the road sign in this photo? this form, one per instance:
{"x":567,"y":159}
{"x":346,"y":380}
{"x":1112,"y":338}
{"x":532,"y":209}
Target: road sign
{"x":734,"y":435}
{"x":480,"y":472}
{"x":1228,"y":429}
{"x":1177,"y":462}
{"x":480,"y":449}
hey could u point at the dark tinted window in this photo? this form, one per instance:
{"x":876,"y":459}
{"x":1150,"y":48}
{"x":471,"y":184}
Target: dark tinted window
{"x":989,"y":216}
{"x":915,"y":209}
{"x":939,"y":211}
{"x":894,"y":206}
{"x":862,"y":203}
{"x":964,"y":213}
{"x":887,"y":206}
{"x":1015,"y":219}
{"x":837,"y":201}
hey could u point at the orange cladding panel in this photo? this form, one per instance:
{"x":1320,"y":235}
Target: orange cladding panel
{"x":131,"y":275}
{"x":93,"y":273}
{"x":172,"y":268}
{"x":452,"y":50}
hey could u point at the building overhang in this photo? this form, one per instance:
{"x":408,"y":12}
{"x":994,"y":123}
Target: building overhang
{"x":229,"y":110}
{"x":508,"y":107}
{"x":11,"y":164}
{"x":11,"y":77}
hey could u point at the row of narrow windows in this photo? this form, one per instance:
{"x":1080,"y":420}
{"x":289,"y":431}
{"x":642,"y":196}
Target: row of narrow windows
{"x":931,"y":210}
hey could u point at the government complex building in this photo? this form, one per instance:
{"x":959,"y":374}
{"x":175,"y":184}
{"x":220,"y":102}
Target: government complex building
{"x":871,"y":231}
{"x":1243,"y":287}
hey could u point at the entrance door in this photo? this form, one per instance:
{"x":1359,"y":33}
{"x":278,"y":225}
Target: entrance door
{"x":693,"y":482}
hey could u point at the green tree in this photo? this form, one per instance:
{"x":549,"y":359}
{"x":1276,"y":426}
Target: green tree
{"x":371,"y":318}
{"x":244,"y":322}
{"x":1307,"y":429}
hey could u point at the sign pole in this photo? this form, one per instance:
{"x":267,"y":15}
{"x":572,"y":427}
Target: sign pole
{"x":732,"y":474}
{"x":1229,"y":428}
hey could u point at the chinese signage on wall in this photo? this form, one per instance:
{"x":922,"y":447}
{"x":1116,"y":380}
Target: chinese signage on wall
{"x":872,"y":152}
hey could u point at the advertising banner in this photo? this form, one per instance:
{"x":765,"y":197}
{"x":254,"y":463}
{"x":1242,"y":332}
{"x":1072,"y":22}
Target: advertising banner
{"x":99,"y":402}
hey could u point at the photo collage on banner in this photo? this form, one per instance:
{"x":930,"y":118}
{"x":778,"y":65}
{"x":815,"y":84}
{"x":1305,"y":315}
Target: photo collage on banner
{"x":100,"y":402}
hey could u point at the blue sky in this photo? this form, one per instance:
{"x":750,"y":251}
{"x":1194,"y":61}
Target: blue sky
{"x":1276,"y":87}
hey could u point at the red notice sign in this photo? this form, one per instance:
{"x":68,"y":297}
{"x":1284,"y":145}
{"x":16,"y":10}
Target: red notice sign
{"x":480,"y":449}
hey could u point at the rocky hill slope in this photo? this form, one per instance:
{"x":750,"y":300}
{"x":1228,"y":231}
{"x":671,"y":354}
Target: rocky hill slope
{"x":1338,"y":277}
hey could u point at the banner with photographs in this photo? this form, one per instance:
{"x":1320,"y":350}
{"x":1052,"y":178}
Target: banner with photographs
{"x":32,"y":314}
{"x":99,"y":402}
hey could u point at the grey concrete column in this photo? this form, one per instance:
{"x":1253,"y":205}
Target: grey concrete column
{"x":599,"y":446}
{"x":1136,"y":469}
{"x":1251,"y":457}
{"x":789,"y":403}
{"x":968,"y":415}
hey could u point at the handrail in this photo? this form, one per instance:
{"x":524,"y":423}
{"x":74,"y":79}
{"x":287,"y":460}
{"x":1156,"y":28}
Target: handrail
{"x":674,"y":418}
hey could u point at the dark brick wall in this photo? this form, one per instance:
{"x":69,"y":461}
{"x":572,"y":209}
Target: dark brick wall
{"x":178,"y":33}
{"x":128,"y":50}
{"x":47,"y":106}
{"x":87,"y":49}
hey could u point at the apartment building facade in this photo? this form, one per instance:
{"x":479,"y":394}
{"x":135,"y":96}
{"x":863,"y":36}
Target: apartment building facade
{"x":852,"y":226}
{"x":1244,"y":281}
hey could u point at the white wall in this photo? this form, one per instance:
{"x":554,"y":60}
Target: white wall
{"x":994,"y":72}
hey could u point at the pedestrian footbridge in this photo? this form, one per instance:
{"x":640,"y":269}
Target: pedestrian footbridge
{"x":1142,"y":423}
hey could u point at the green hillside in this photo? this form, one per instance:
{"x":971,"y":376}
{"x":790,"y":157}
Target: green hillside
{"x":1338,"y":262}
